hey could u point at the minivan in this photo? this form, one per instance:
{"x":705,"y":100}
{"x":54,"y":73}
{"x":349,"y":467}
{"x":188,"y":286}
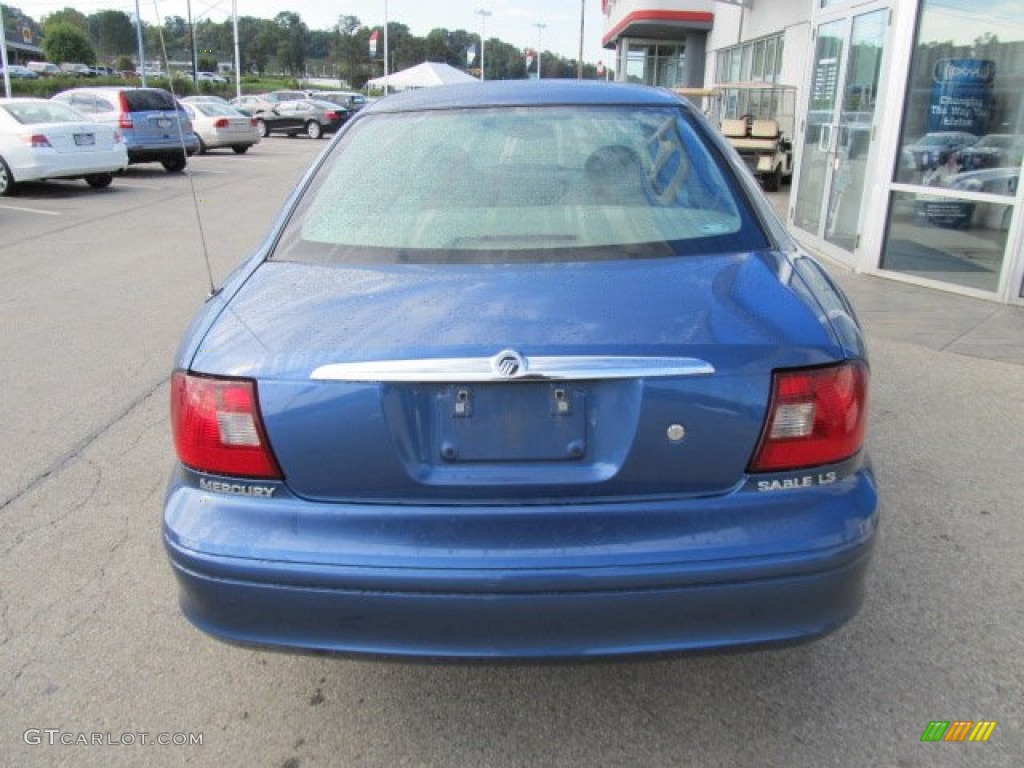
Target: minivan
{"x":154,"y":126}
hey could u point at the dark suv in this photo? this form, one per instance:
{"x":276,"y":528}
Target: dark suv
{"x":154,"y":126}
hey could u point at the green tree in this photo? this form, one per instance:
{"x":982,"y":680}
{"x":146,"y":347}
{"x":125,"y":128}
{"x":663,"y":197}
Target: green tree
{"x":404,"y":49}
{"x":66,"y":42}
{"x":436,"y":45}
{"x":292,"y":41}
{"x":214,"y":41}
{"x":264,"y":46}
{"x":319,"y":46}
{"x":67,"y":16}
{"x":349,"y":50}
{"x":176,"y":38}
{"x":504,"y":61}
{"x":253,"y":52}
{"x":112,"y":32}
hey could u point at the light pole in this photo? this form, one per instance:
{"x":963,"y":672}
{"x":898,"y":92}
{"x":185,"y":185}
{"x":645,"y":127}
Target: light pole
{"x":238,"y":57}
{"x":579,"y":64}
{"x":3,"y":55}
{"x":386,"y":73}
{"x":483,"y":14}
{"x":142,"y":51}
{"x":195,"y":56}
{"x":540,"y":28}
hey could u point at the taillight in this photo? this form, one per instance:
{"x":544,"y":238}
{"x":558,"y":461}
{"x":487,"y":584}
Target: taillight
{"x":37,"y":140}
{"x":221,"y":123}
{"x":217,"y":426}
{"x":815,"y":416}
{"x":124,"y":119}
{"x":253,"y":122}
{"x":330,"y":116}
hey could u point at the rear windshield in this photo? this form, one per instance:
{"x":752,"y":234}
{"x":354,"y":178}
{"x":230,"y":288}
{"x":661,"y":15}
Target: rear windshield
{"x":148,"y":100}
{"x":214,"y":109}
{"x":520,"y":184}
{"x":36,"y":112}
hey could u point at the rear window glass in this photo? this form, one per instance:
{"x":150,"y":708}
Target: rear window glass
{"x":520,"y":184}
{"x":148,"y":100}
{"x":34,"y":113}
{"x":213,"y":109}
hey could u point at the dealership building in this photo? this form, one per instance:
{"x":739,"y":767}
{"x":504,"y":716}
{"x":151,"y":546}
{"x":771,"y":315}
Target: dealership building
{"x":906,"y":116}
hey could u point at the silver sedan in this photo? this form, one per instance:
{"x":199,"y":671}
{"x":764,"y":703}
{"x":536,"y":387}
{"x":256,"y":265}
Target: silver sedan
{"x":221,"y":125}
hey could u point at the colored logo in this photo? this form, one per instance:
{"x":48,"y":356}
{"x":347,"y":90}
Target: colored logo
{"x":964,"y":70}
{"x":958,"y":730}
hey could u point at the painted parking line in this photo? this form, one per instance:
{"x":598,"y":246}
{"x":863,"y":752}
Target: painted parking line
{"x":29,"y":210}
{"x":136,"y":185}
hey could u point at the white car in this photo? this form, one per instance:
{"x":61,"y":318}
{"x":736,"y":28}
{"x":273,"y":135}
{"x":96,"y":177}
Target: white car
{"x":43,"y":68}
{"x":210,"y":77}
{"x":221,"y":125}
{"x":42,"y":139}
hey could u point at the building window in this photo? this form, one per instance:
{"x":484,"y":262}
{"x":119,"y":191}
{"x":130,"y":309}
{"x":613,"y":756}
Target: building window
{"x":961,"y":146}
{"x":658,"y":64}
{"x":759,"y":60}
{"x":755,"y":61}
{"x":757,"y":67}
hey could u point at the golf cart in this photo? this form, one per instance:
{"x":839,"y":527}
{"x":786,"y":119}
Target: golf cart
{"x":757,"y":119}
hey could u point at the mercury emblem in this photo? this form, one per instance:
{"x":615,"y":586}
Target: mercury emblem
{"x":508,"y":364}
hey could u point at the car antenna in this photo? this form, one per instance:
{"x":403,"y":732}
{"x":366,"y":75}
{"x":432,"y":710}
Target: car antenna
{"x":214,"y":290}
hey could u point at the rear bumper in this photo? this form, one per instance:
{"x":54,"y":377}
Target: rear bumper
{"x":36,"y":167}
{"x":153,"y":154}
{"x":617,"y":589}
{"x":533,"y":625}
{"x":215,"y":140}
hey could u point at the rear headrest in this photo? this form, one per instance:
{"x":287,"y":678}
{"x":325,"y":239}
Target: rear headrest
{"x":764,"y":129}
{"x":734,"y":128}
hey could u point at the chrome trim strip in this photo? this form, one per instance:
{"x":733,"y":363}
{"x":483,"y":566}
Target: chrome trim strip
{"x":470,"y":370}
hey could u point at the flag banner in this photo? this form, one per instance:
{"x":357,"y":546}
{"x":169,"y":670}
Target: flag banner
{"x":470,"y":53}
{"x":373,"y":43}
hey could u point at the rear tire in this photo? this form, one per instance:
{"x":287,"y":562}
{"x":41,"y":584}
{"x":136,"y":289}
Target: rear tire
{"x":174,"y":164}
{"x":203,"y":149}
{"x":239,"y":149}
{"x":772,"y":181}
{"x":99,"y":180}
{"x":6,"y":179}
{"x":261,"y":129}
{"x":314,"y":130}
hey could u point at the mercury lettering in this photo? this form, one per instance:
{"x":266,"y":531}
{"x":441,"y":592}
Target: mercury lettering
{"x":216,"y":486}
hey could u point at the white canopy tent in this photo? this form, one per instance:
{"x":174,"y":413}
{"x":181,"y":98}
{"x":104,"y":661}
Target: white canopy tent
{"x":423,"y":75}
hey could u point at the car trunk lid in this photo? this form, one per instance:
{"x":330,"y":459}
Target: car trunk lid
{"x":76,"y":138}
{"x":630,"y":379}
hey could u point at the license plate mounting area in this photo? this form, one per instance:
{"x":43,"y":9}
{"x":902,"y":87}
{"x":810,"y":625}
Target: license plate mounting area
{"x":512,"y":422}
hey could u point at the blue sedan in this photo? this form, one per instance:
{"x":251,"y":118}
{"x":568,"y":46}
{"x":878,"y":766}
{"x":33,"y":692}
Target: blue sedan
{"x":524,"y":370}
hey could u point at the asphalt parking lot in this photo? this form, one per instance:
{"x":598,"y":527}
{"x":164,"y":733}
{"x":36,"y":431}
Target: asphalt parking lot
{"x":98,"y":288}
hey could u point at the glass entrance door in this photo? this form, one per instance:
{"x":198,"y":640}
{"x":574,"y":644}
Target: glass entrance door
{"x":841,"y":110}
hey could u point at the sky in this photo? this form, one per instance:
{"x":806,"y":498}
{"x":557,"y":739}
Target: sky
{"x":964,"y":20}
{"x":511,"y":20}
